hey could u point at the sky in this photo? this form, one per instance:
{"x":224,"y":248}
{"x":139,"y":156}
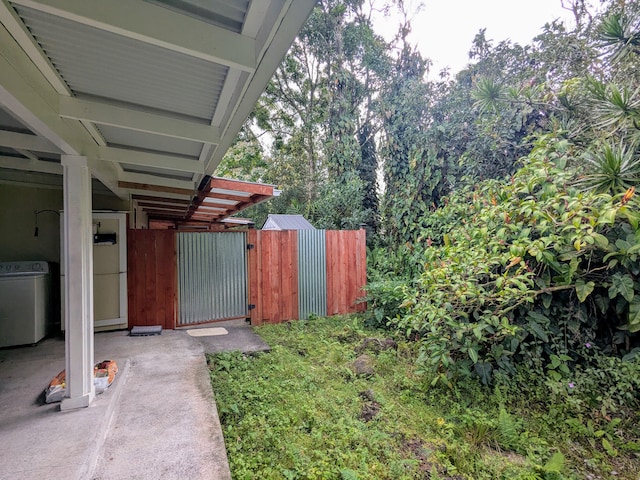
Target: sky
{"x":444,"y":29}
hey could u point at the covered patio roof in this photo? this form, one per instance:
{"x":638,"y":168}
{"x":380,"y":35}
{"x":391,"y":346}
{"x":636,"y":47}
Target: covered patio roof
{"x":151,"y":92}
{"x":143,"y":97}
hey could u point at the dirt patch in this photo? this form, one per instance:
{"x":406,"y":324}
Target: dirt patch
{"x":370,"y":408}
{"x":369,"y":411}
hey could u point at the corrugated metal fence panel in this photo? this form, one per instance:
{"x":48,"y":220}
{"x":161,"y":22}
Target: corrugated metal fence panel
{"x":312,"y":273}
{"x":212,"y":276}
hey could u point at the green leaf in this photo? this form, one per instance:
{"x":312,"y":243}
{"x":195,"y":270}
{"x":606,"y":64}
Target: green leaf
{"x":584,"y":289}
{"x":483,"y":370}
{"x":348,"y":474}
{"x":473,"y":354}
{"x":633,"y":217}
{"x":634,"y":317}
{"x":609,"y":448}
{"x":477,"y":331}
{"x":600,"y":240}
{"x":608,"y":216}
{"x":623,"y":285}
{"x":538,"y":331}
{"x":555,"y":463}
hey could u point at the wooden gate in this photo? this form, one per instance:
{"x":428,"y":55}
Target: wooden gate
{"x":151,"y":278}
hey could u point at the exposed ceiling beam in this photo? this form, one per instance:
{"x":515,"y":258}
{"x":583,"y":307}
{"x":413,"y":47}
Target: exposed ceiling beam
{"x":22,"y":141}
{"x":226,"y":196}
{"x":26,"y":153}
{"x":163,"y":213}
{"x":156,"y":160}
{"x":107,"y":114}
{"x":145,"y":187}
{"x":203,"y":209}
{"x":173,"y":201}
{"x":209,"y":203}
{"x":163,"y":206}
{"x":158,"y":26}
{"x":30,"y":165}
{"x":230,"y":84}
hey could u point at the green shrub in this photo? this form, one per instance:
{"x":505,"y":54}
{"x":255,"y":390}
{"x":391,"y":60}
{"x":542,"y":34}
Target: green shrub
{"x":523,"y":272}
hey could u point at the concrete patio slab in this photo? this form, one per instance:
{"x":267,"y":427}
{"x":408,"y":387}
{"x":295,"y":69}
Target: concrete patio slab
{"x":157,"y":421}
{"x":240,"y":337}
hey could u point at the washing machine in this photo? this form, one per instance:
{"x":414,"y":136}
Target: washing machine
{"x":25,"y":312}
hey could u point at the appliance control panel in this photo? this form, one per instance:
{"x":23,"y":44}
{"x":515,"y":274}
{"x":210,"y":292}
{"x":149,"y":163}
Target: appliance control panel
{"x":24,"y":268}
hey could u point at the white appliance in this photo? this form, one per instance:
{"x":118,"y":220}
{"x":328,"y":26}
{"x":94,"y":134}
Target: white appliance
{"x":109,"y":271}
{"x":25,"y":313}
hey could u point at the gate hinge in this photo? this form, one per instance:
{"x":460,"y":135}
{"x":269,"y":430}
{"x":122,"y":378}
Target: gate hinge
{"x":250,"y":246}
{"x":251,"y":306}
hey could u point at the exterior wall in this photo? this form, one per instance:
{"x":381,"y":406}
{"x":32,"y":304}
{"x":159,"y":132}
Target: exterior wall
{"x":17,"y":221}
{"x":18,"y":203}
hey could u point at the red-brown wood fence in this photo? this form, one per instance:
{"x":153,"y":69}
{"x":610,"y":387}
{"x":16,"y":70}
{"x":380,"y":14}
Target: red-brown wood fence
{"x":346,"y":270}
{"x":272,"y":275}
{"x":152,"y":278}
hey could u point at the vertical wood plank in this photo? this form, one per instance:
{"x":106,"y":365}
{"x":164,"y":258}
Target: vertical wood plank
{"x":152,"y":278}
{"x":362,"y":266}
{"x":170,"y":260}
{"x":294,"y":311}
{"x":268,"y":266}
{"x":253,"y":270}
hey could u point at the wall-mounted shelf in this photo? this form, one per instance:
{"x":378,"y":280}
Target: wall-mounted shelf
{"x":104,"y":239}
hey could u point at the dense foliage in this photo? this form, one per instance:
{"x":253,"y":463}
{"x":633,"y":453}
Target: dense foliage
{"x":301,"y":412}
{"x":531,"y":271}
{"x":538,"y":270}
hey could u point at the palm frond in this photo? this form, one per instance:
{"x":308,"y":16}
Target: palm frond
{"x":610,"y":168}
{"x":620,"y":34}
{"x":488,"y":95}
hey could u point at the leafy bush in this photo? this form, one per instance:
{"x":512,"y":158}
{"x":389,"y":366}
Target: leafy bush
{"x":526,"y":271}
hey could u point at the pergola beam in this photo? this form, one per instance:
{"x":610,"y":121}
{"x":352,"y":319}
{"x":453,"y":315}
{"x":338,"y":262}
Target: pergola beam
{"x":23,"y":141}
{"x":240,"y":186}
{"x":117,"y":116}
{"x":145,"y":159}
{"x":149,"y":198}
{"x":158,"y":26}
{"x":30,"y":165}
{"x":146,"y":187}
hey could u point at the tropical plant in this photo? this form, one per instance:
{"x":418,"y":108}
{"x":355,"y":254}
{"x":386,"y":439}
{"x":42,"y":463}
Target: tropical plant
{"x":612,"y":168}
{"x":525,"y":271}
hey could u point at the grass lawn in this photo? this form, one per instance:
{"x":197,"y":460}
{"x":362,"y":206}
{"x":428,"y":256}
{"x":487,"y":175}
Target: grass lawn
{"x":301,"y":411}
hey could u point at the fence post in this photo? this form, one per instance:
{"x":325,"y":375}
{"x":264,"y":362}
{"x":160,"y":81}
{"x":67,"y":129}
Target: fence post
{"x":254,"y":258}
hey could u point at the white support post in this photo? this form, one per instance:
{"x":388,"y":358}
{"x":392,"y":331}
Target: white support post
{"x":78,"y":279}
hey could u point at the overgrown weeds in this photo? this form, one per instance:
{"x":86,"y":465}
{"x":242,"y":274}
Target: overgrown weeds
{"x":301,"y":411}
